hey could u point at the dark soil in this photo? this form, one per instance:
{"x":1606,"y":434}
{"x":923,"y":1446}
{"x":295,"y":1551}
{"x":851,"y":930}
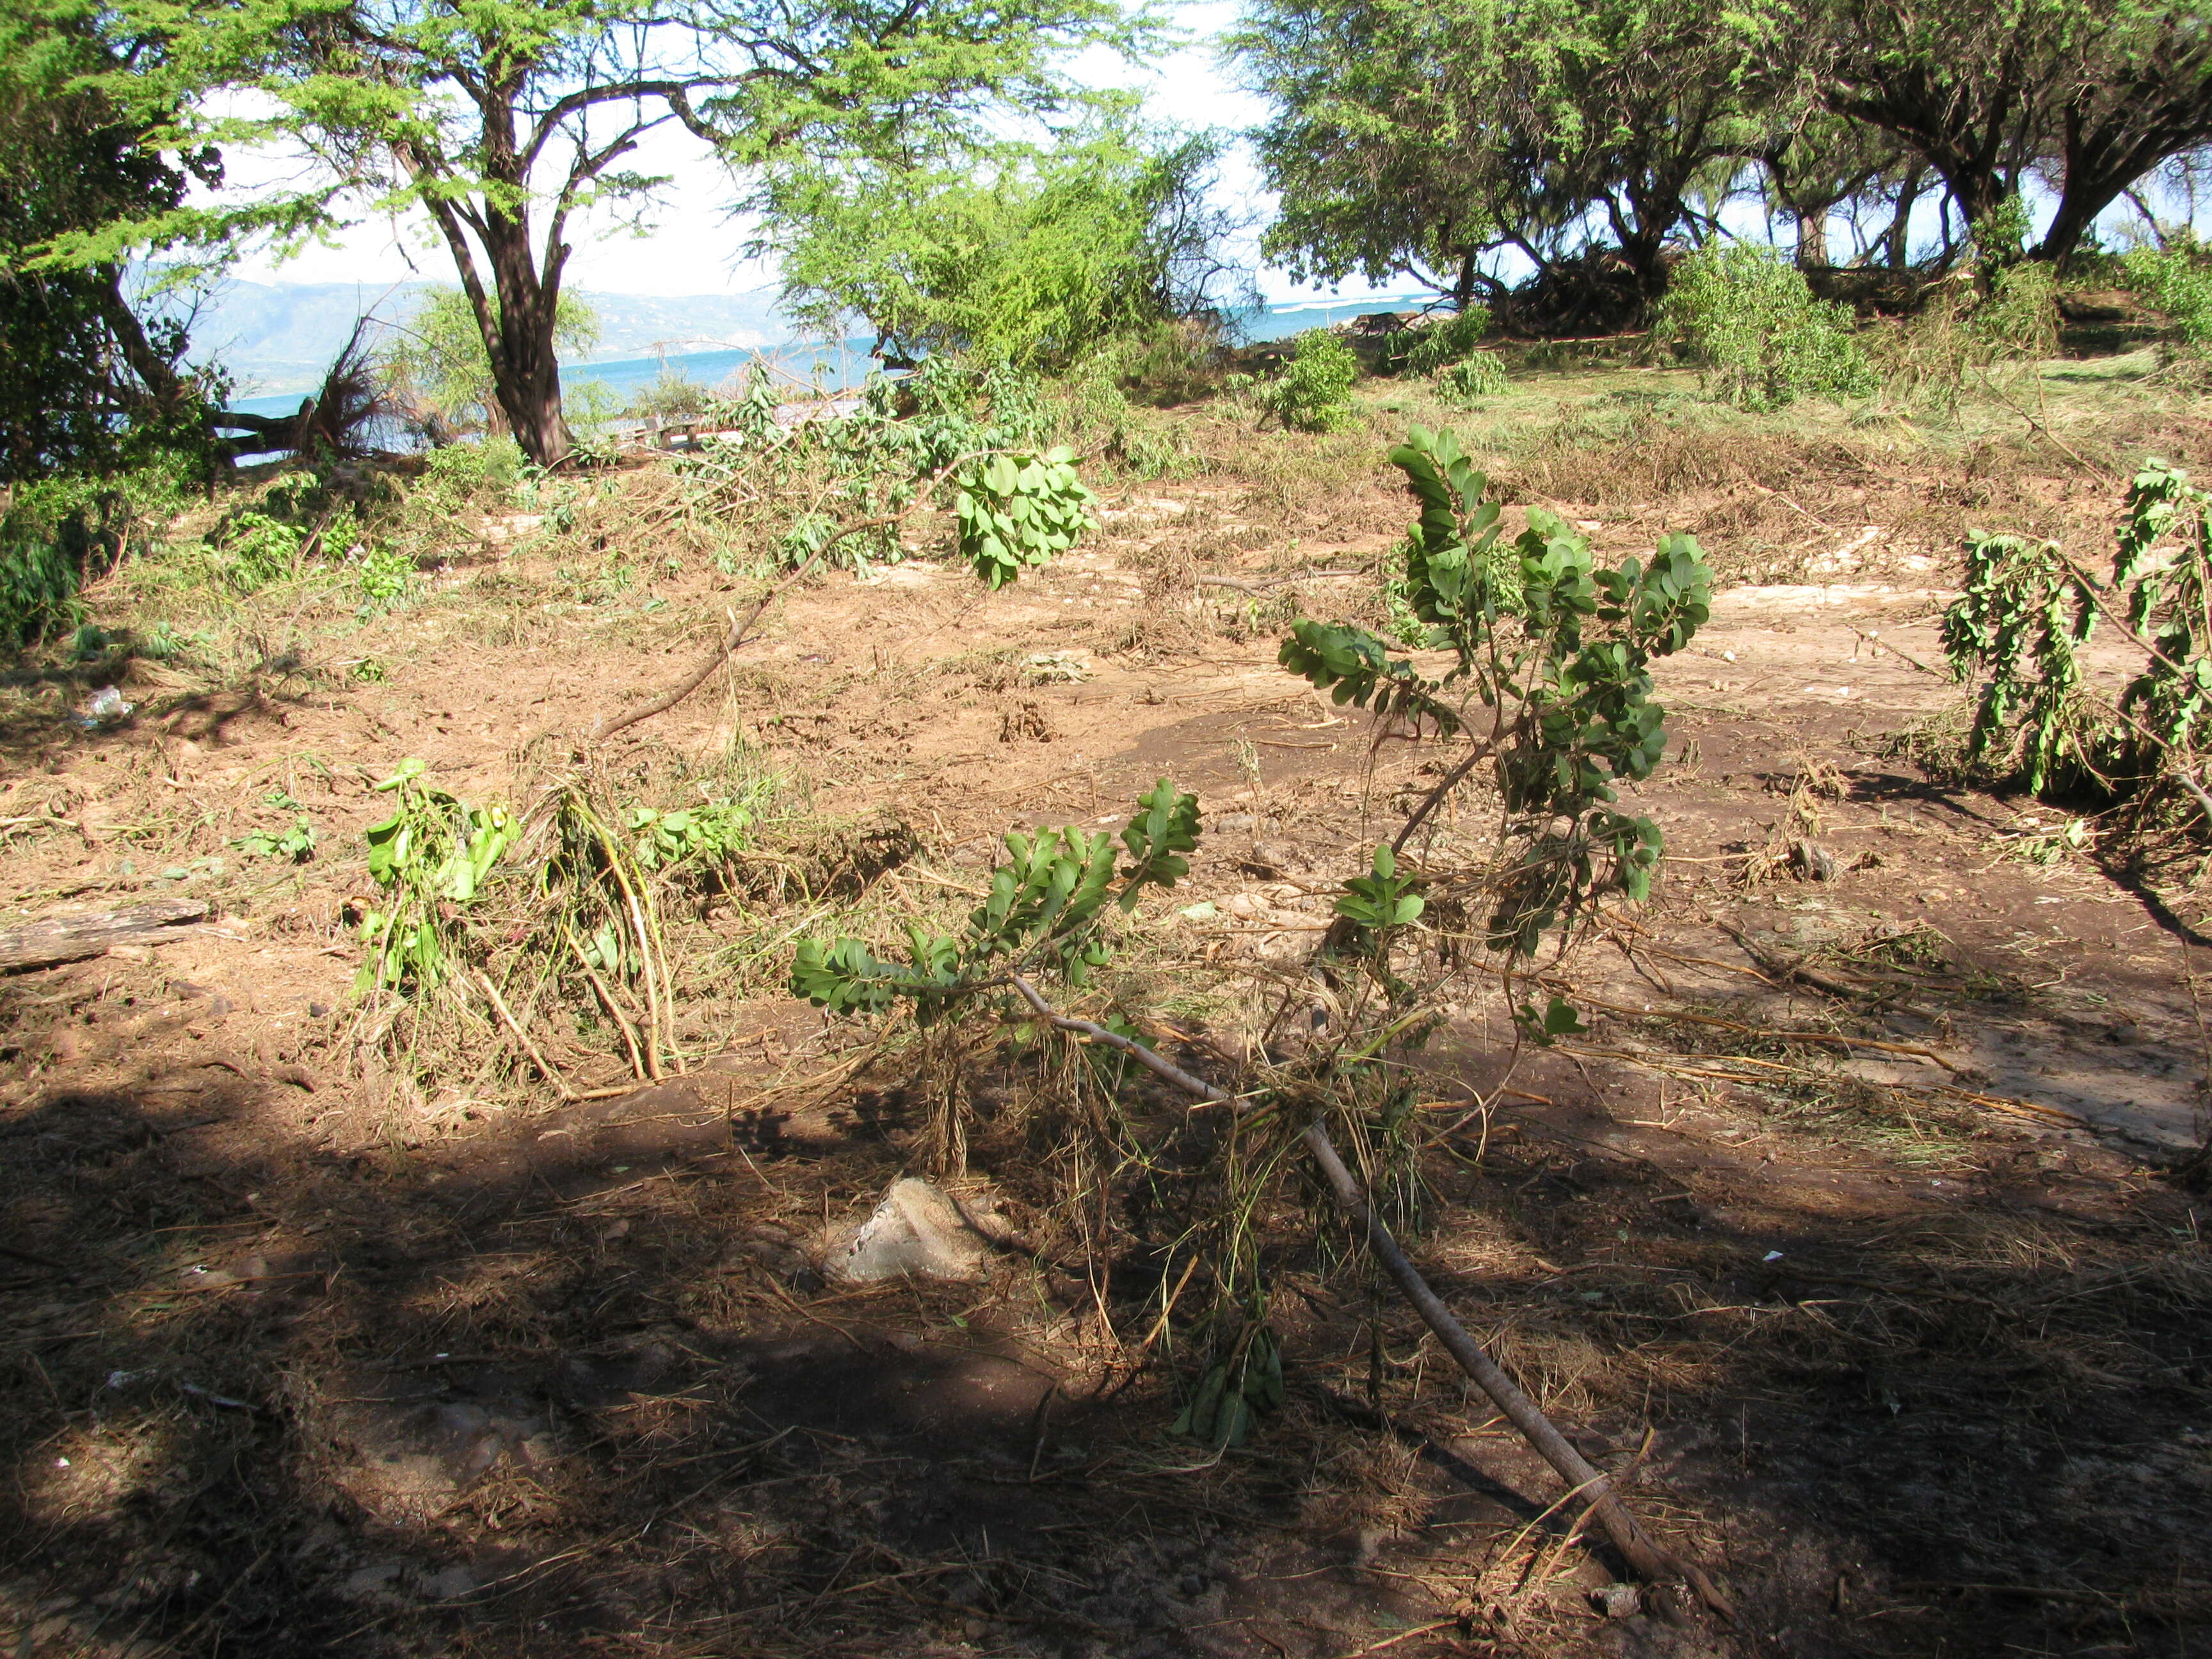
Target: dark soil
{"x":298,"y":1362}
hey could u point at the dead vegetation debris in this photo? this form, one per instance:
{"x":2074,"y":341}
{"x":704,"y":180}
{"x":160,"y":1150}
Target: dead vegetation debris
{"x":319,"y":1344}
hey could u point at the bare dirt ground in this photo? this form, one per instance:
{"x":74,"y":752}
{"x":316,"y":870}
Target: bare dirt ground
{"x":1854,"y":1194}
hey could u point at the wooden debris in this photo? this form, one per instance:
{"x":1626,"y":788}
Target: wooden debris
{"x":72,"y":938}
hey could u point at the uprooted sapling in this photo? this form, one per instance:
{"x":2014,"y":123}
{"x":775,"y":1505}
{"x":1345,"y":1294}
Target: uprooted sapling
{"x":1557,"y":650}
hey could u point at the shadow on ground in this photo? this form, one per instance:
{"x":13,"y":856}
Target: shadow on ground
{"x":571,"y":1388}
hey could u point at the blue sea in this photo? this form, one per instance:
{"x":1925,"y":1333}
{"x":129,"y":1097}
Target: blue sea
{"x":836,"y":367}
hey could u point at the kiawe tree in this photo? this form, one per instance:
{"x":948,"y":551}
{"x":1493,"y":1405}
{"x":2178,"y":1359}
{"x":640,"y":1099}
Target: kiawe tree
{"x":502,"y":121}
{"x":84,"y":376}
{"x":2094,"y":94}
{"x":1420,"y":139}
{"x":437,"y":372}
{"x":1018,"y":253}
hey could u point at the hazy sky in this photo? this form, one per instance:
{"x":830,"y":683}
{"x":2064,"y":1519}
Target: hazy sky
{"x":691,"y":245}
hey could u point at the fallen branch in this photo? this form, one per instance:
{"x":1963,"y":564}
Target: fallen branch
{"x":545,"y":1068}
{"x":1829,"y":1038}
{"x":1266,"y":582}
{"x":1679,"y":1066}
{"x":1645,"y":1558}
{"x":1779,"y":968}
{"x":739,"y":627}
{"x":54,"y":939}
{"x":1882,"y":644}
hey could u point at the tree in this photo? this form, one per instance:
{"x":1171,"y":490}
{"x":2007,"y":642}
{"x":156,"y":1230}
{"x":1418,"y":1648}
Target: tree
{"x":1374,"y":147}
{"x":2130,"y":96}
{"x":1948,"y":81}
{"x":84,"y":377}
{"x":501,"y":120}
{"x":1422,"y":139}
{"x":1020,"y":255}
{"x":435,"y":365}
{"x":2098,"y":93}
{"x":1819,"y":162}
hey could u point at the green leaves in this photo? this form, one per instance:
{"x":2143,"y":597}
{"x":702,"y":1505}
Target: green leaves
{"x":1457,"y":574}
{"x":1558,"y":1019}
{"x":1047,"y":903}
{"x":1383,"y":900}
{"x":1013,"y":253}
{"x":706,"y":833}
{"x":2022,"y":623}
{"x":1165,"y":828}
{"x":1314,"y":391}
{"x":1558,"y":648}
{"x":2176,"y":279}
{"x":1231,"y":1395}
{"x":431,"y":857}
{"x":1674,"y":598}
{"x":1015,"y":512}
{"x":1349,"y":663}
{"x":1472,"y":379}
{"x":294,"y":846}
{"x":1744,"y":314}
{"x":846,"y":978}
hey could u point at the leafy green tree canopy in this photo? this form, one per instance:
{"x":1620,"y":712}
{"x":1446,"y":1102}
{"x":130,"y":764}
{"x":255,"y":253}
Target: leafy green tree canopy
{"x":501,"y":120}
{"x":84,"y":378}
{"x":1019,"y":254}
{"x":1421,"y":139}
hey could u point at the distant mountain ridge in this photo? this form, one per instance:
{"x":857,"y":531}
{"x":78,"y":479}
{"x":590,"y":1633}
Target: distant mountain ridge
{"x":279,"y":337}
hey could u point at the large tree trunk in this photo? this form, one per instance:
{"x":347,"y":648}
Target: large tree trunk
{"x":2100,"y":163}
{"x":1811,"y":238}
{"x":515,"y":317}
{"x":524,"y":367}
{"x":2078,"y":208}
{"x":1810,"y":217}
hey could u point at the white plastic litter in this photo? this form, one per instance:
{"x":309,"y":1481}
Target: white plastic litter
{"x":919,"y":1230}
{"x":106,"y":708}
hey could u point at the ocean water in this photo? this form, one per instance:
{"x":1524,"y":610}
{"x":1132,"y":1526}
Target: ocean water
{"x":835,"y":367}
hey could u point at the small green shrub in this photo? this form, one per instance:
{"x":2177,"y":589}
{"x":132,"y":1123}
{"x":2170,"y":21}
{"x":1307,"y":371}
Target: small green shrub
{"x":2023,"y":626}
{"x":1171,"y":362}
{"x":259,"y":549}
{"x":386,"y":579}
{"x":294,"y":846}
{"x":483,"y":473}
{"x":1314,"y":393}
{"x":2018,"y":317}
{"x":673,"y":396}
{"x":1744,"y":315}
{"x":1438,"y":345}
{"x":59,"y":533}
{"x":46,"y":536}
{"x":2177,"y":280}
{"x":1552,"y":686}
{"x":1471,"y":378}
